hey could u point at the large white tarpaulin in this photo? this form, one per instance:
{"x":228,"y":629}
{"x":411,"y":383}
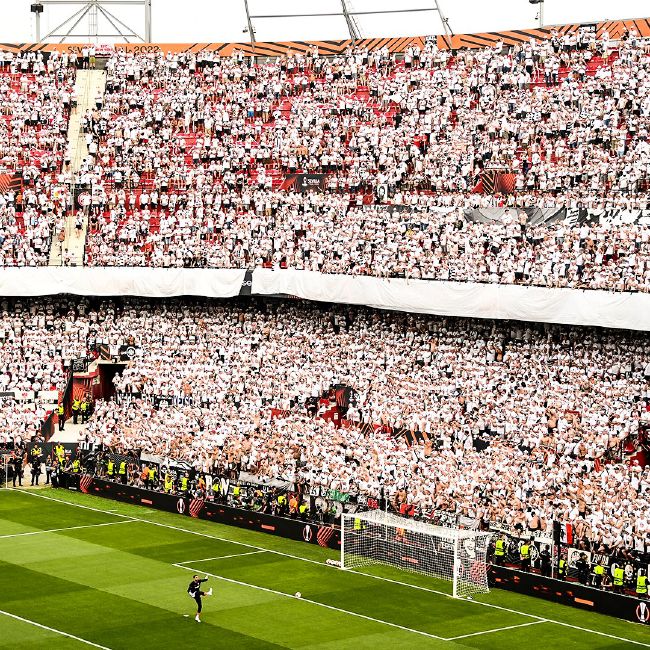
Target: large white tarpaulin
{"x":465,"y":299}
{"x":121,"y":281}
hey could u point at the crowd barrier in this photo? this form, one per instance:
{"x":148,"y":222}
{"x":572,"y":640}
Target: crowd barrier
{"x":571,"y":593}
{"x":461,"y":299}
{"x":298,"y":530}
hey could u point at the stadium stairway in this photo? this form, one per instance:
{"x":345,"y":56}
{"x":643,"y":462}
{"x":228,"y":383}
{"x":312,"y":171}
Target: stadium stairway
{"x":89,"y":84}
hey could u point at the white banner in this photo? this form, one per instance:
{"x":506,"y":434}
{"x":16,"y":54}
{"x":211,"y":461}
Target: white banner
{"x":121,"y":281}
{"x":464,"y":299}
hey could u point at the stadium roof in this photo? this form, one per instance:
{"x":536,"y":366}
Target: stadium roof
{"x":207,"y":21}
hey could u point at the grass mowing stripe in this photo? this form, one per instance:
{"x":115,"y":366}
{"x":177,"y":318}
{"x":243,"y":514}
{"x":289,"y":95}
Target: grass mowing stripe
{"x":58,"y":530}
{"x":313,"y":602}
{"x":369,"y":575}
{"x":498,"y":629}
{"x":220,"y":557}
{"x":51,"y":629}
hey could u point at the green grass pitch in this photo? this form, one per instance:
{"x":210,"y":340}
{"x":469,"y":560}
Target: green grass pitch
{"x":80,"y":571}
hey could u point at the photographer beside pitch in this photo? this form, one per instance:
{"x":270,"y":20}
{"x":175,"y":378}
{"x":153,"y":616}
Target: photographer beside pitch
{"x":194,"y":590}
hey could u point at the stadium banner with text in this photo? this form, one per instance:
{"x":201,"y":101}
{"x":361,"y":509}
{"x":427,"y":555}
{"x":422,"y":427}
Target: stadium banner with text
{"x":571,"y":593}
{"x":295,"y":529}
{"x":326,"y":536}
{"x":126,"y":493}
{"x":305,"y":182}
{"x":396,"y":44}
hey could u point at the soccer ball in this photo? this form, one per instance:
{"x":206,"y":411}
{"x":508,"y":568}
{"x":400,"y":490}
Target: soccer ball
{"x":298,"y":594}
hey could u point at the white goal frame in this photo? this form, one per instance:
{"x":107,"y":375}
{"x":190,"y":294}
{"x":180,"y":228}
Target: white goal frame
{"x":454,"y":554}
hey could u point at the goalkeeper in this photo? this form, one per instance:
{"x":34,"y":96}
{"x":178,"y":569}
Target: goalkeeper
{"x":194,"y":590}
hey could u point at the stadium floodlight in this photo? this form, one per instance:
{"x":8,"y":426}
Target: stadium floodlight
{"x":454,"y":554}
{"x":37,"y":9}
{"x":540,"y":15}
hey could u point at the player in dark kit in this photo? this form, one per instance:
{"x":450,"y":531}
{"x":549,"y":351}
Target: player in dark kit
{"x":194,"y":590}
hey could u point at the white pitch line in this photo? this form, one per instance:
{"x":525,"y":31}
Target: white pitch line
{"x":314,"y":602}
{"x":58,"y":530}
{"x":498,"y":629}
{"x":220,"y":557}
{"x":51,"y":629}
{"x":323,"y":564}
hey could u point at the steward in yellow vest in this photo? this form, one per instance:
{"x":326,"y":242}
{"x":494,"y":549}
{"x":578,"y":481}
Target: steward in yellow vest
{"x":524,"y":554}
{"x":169,"y":483}
{"x":619,"y":579}
{"x":499,"y":551}
{"x":642,"y":584}
{"x":59,"y":450}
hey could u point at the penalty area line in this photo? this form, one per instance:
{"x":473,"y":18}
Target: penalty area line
{"x":51,"y":629}
{"x":221,"y":557}
{"x":314,"y":602}
{"x":498,"y":629}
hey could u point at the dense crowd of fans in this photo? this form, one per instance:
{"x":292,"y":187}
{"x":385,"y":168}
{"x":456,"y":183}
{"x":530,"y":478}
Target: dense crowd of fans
{"x":188,"y":154}
{"x":190,"y":151}
{"x":515,"y":424}
{"x":518,"y":424}
{"x":37,"y":96}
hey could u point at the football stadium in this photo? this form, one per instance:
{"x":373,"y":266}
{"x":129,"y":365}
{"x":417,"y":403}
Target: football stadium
{"x":327,"y":331}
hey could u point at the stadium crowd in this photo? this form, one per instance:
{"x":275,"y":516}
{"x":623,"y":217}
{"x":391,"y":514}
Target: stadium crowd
{"x":188,"y":156}
{"x":37,"y":96}
{"x":190,"y":151}
{"x":516,"y":424}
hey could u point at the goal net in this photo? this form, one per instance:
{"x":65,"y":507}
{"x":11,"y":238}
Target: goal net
{"x":378,"y":537}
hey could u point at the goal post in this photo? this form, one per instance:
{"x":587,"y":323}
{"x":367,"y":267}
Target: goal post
{"x":454,"y":554}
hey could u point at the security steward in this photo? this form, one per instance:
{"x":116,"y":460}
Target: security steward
{"x":59,"y":450}
{"x":598,"y":574}
{"x":619,"y":579}
{"x":524,"y":556}
{"x":35,"y":462}
{"x":122,"y":471}
{"x":303,"y":510}
{"x":561,"y":569}
{"x":185,"y":482}
{"x":500,"y":550}
{"x":169,"y":483}
{"x":76,"y":406}
{"x":84,"y":411}
{"x":150,"y":481}
{"x":76,"y":466}
{"x":60,"y":411}
{"x":110,"y":469}
{"x":642,"y":584}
